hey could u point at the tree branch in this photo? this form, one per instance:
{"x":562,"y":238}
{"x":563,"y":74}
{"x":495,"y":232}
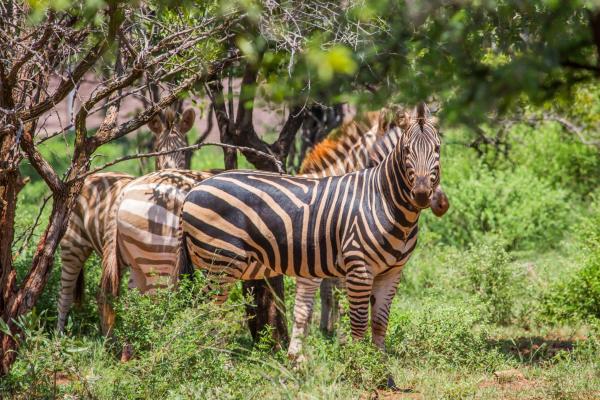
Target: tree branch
{"x":258,"y":153}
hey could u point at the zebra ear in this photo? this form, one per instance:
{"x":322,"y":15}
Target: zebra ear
{"x":187,"y":120}
{"x":404,"y":121}
{"x":156,"y":125}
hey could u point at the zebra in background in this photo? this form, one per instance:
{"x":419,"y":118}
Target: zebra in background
{"x":90,"y":228}
{"x":147,"y":227}
{"x":338,"y":155}
{"x":92,"y":225}
{"x":361,"y":226}
{"x":169,"y":134}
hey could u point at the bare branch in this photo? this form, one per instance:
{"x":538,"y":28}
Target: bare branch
{"x":278,"y":164}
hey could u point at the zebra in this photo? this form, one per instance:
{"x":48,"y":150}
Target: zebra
{"x":169,"y":134}
{"x":147,"y":224}
{"x":336,"y":156}
{"x":361,"y":226}
{"x":92,"y":226}
{"x":90,"y":229}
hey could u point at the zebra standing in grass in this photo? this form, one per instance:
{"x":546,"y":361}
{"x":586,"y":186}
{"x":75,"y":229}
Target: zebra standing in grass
{"x":92,"y":224}
{"x":337,"y":155}
{"x":91,"y":228}
{"x":361,"y":226}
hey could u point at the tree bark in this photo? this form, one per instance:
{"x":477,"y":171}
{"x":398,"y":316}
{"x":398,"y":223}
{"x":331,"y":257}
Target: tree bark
{"x":267,"y":311}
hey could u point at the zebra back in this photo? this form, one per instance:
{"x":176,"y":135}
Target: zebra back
{"x":351,"y":146}
{"x":148,"y":226}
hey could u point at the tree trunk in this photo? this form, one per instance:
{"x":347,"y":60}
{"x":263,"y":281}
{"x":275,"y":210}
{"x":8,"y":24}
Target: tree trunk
{"x":10,"y":185}
{"x":268,"y":307}
{"x":267,"y":310}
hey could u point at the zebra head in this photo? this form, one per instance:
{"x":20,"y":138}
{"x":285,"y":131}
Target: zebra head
{"x":170,"y":129}
{"x":420,"y":147}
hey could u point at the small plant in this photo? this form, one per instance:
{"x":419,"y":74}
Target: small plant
{"x":489,"y":275}
{"x":443,"y":335}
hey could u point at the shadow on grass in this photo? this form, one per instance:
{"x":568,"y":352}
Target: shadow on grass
{"x":533,"y":349}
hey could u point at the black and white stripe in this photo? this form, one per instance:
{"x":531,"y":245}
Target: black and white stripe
{"x":361,"y":226}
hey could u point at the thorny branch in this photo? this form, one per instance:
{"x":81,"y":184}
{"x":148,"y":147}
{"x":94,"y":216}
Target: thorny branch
{"x":278,"y":164}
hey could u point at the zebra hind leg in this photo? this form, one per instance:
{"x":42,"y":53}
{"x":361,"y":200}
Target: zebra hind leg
{"x":221,"y":277}
{"x":73,"y":257}
{"x":306,"y":288}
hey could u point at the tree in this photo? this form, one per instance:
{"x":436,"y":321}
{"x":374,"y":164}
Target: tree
{"x":45,"y":54}
{"x":490,"y":60}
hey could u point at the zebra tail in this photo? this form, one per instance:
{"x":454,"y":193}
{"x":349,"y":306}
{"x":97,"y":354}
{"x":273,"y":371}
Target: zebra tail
{"x":111,"y":277}
{"x":79,"y":289}
{"x":183,"y":265}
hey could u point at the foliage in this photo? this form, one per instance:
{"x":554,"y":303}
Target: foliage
{"x":578,"y":296}
{"x":489,"y":275}
{"x":443,"y":335}
{"x":523,"y":209}
{"x":557,"y":157}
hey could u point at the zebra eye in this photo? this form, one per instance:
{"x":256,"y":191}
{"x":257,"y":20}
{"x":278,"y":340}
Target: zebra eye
{"x":437,"y":148}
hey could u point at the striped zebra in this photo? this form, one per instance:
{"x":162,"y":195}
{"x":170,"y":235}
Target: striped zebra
{"x":361,"y":226}
{"x":147,"y":225}
{"x":336,"y":156}
{"x":92,"y":226}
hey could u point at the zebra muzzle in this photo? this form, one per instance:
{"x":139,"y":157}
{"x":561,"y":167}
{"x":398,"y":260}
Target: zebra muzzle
{"x":421,"y":193}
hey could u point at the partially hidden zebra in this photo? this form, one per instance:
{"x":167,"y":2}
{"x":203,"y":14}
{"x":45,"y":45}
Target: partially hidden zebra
{"x":92,"y":225}
{"x":337,"y":155}
{"x":361,"y":226}
{"x":170,"y":133}
{"x":147,"y":227}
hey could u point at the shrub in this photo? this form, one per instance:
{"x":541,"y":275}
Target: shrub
{"x":557,"y":156}
{"x":488,"y":274}
{"x":578,"y":297}
{"x":443,"y":335}
{"x":518,"y":206}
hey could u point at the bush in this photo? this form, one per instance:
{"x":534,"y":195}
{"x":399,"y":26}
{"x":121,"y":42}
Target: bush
{"x":443,"y":335}
{"x":558,"y":157}
{"x":518,"y":206}
{"x":488,"y":274}
{"x":578,"y":297}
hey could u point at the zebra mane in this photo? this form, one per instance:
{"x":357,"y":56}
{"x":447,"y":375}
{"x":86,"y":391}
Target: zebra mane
{"x":347,"y":134}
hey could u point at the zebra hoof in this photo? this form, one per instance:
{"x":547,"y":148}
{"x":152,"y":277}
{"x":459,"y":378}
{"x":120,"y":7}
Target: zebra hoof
{"x":127,"y":353}
{"x":390,"y":384}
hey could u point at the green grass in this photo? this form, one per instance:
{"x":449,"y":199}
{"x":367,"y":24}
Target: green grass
{"x":486,"y":301}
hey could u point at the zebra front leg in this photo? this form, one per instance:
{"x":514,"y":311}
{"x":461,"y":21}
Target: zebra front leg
{"x":384,"y":290}
{"x":73,"y":257}
{"x":359,"y":282}
{"x":306,"y":288}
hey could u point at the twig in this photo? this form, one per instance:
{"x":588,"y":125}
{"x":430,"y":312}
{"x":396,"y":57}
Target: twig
{"x":259,"y":153}
{"x":32,"y":228}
